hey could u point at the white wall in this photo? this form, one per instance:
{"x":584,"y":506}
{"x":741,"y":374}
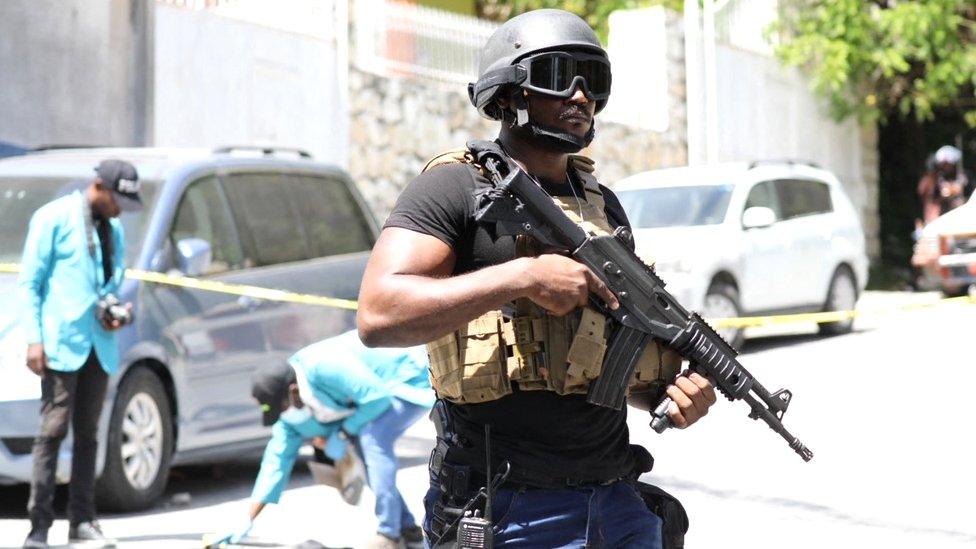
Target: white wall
{"x":223,"y":80}
{"x":73,"y":72}
{"x":638,"y":51}
{"x":767,"y":111}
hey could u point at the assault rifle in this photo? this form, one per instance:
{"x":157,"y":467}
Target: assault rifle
{"x":517,"y":205}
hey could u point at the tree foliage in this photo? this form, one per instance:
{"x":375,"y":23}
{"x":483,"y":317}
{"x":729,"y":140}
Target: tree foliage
{"x":595,"y":12}
{"x":877,"y":58}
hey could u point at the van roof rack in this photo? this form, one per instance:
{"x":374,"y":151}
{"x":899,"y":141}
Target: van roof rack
{"x":266,"y":151}
{"x":790,"y":161}
{"x":64,"y":146}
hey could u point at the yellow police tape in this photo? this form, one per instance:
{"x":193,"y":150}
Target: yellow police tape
{"x":829,"y":316}
{"x":269,"y":294}
{"x":256,"y":292}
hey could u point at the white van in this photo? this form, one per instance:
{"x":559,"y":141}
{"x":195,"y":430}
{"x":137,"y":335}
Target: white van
{"x":749,"y":239}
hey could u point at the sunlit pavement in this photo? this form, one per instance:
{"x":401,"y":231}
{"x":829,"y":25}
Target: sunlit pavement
{"x":886,"y":411}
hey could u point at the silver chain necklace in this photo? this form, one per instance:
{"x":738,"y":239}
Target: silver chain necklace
{"x":572,"y":189}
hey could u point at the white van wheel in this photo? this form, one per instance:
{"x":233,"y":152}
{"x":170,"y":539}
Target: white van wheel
{"x":722,"y":301}
{"x":842,"y":296}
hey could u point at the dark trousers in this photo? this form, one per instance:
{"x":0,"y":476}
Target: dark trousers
{"x":76,"y":397}
{"x":611,"y":516}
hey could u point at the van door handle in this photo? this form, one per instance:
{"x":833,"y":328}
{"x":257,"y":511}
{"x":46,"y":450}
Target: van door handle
{"x":248,"y":302}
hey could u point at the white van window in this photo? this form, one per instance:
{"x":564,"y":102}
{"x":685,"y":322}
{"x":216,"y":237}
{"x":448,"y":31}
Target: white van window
{"x":800,"y":197}
{"x":763,"y":195}
{"x":680,"y":206}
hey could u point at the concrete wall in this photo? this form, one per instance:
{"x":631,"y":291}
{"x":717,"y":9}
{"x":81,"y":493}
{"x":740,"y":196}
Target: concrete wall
{"x":74,"y":71}
{"x":767,"y":111}
{"x":221,"y":80}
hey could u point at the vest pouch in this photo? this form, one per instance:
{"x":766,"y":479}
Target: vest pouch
{"x":445,"y":366}
{"x":483,"y":373}
{"x":656,"y":369}
{"x":657,"y":363}
{"x":585,"y":356}
{"x":527,"y":354}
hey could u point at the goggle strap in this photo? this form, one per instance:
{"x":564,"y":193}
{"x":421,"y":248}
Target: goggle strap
{"x":511,"y":74}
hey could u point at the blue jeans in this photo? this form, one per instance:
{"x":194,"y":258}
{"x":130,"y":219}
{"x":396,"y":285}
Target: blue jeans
{"x":603,"y":516}
{"x":376,"y":445}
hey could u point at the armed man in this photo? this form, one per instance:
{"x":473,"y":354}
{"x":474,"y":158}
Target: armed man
{"x":513,"y":335}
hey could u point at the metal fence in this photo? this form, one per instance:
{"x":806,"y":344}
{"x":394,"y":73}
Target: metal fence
{"x":397,"y":39}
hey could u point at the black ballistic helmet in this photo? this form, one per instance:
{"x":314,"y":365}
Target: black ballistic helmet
{"x":519,"y":37}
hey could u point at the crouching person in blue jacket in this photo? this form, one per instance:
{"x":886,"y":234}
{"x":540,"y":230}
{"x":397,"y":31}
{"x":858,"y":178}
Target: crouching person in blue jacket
{"x":340,"y":389}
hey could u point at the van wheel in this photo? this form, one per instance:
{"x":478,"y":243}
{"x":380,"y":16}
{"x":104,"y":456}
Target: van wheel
{"x":842,"y":296}
{"x":722,"y":301}
{"x":140,"y":445}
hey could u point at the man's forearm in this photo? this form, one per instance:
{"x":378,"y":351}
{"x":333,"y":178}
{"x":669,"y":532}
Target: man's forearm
{"x":413,"y":309}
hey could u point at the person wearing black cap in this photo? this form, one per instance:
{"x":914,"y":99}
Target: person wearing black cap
{"x":73,"y":264}
{"x":339,"y":390}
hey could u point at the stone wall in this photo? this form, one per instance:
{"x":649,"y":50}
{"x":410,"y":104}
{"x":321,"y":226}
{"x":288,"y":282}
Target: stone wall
{"x":398,"y":123}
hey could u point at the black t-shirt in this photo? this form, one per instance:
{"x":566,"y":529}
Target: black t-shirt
{"x":539,"y":432}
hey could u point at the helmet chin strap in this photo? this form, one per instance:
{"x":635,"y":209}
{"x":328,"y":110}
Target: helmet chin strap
{"x":548,"y":137}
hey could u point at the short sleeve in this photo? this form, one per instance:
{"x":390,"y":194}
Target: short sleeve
{"x":615,"y":210}
{"x":439,"y":202}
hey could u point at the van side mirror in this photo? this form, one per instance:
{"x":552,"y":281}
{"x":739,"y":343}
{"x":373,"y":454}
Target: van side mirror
{"x":758,"y":217}
{"x":193,"y":256}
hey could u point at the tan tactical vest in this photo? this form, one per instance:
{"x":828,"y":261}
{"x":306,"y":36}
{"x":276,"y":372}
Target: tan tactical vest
{"x":539,"y":351}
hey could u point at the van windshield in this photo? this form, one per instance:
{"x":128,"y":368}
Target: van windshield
{"x":20,"y":197}
{"x":676,"y":206}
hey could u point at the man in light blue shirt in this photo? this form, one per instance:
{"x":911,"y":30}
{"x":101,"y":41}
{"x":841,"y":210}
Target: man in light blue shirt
{"x":340,"y":390}
{"x":73,"y":260}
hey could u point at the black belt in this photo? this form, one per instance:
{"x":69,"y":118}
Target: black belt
{"x":518,"y":481}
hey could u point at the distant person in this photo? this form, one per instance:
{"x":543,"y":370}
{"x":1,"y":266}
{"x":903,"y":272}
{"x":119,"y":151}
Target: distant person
{"x":340,"y":390}
{"x":72,"y":267}
{"x":944,"y":186}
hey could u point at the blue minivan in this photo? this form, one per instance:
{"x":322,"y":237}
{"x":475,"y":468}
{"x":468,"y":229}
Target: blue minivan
{"x":258,"y":217}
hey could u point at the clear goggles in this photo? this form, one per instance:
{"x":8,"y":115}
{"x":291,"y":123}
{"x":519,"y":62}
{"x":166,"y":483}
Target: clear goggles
{"x":560,"y":73}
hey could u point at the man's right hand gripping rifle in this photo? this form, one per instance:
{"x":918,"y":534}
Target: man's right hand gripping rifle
{"x":634,"y":296}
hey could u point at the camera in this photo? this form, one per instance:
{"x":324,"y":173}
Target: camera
{"x":109,"y":309}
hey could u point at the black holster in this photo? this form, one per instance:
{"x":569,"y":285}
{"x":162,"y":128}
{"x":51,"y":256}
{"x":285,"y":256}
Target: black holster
{"x":674,"y":520}
{"x":672,"y":514}
{"x":454,"y":481}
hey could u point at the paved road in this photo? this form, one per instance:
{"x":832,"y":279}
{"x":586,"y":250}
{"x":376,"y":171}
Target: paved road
{"x":886,"y":410}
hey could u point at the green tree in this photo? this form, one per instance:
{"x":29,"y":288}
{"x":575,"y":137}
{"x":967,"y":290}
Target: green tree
{"x":595,"y":12}
{"x":874,"y":59}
